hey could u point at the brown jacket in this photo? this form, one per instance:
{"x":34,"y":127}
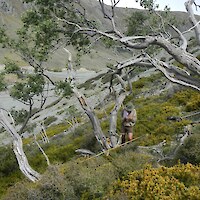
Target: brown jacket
{"x":129,"y":118}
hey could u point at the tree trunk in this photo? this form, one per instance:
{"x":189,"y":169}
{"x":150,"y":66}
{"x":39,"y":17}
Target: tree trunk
{"x":94,"y":120}
{"x":18,"y":150}
{"x":83,"y":102}
{"x":195,"y":23}
{"x":113,"y":120}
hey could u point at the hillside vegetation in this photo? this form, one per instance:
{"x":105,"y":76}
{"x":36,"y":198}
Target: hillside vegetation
{"x":75,"y":177}
{"x":73,"y":141}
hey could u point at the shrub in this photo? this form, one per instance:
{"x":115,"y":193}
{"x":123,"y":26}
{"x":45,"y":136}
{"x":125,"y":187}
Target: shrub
{"x":56,"y":129}
{"x":2,"y":83}
{"x":81,"y":178}
{"x":9,"y":169}
{"x":178,"y":182}
{"x":152,"y":120}
{"x":190,"y":151}
{"x":50,"y":120}
{"x":188,"y":98}
{"x":51,"y":186}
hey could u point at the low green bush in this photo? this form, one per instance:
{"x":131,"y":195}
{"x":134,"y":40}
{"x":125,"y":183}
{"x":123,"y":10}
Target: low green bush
{"x":188,"y":98}
{"x":9,"y":169}
{"x":81,"y":178}
{"x":2,"y":83}
{"x":152,"y":121}
{"x":49,"y":120}
{"x":190,"y":150}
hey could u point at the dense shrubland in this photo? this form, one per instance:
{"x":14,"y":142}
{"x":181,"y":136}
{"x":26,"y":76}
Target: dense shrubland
{"x":49,"y":25}
{"x":70,"y":176}
{"x":177,"y":182}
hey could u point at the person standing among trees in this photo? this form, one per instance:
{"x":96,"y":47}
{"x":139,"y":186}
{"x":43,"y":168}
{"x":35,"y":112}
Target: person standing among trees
{"x":129,"y":117}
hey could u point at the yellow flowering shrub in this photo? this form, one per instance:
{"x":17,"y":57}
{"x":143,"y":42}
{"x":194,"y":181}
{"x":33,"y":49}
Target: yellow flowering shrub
{"x":178,"y":182}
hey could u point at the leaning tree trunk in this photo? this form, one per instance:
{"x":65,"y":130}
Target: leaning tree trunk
{"x":101,"y":138}
{"x":18,"y":150}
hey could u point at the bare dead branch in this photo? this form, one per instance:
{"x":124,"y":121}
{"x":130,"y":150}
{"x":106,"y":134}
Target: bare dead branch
{"x":183,"y":39}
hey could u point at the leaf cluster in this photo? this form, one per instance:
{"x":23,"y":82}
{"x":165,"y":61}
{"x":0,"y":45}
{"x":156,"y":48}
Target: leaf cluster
{"x":189,"y":99}
{"x":25,"y":91}
{"x":47,"y":25}
{"x":146,"y":23}
{"x":12,"y":68}
{"x":19,"y":115}
{"x":63,"y":88}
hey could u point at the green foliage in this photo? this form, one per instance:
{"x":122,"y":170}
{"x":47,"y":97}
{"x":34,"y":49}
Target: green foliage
{"x":64,"y":152}
{"x":56,"y":129}
{"x":152,"y":120}
{"x":19,"y":115}
{"x":72,"y":110}
{"x":38,"y":34}
{"x":64,"y":88}
{"x":79,"y":178}
{"x":190,"y":150}
{"x":105,"y":125}
{"x":136,"y":23}
{"x":7,"y":166}
{"x":154,"y":111}
{"x":4,"y":40}
{"x":9,"y":169}
{"x":188,"y":98}
{"x":2,"y":83}
{"x":148,"y":4}
{"x":178,"y":182}
{"x":147,"y":83}
{"x":52,"y":186}
{"x":147,"y":23}
{"x":45,"y":27}
{"x":12,"y":67}
{"x":60,"y":149}
{"x":49,"y":120}
{"x":107,"y":42}
{"x":25,"y":91}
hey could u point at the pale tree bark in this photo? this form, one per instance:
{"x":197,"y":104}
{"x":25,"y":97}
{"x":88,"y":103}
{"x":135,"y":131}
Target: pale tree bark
{"x":24,"y":166}
{"x":192,"y":18}
{"x":115,"y":140}
{"x":187,"y":76}
{"x":41,"y":149}
{"x":119,"y":99}
{"x":101,"y":138}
